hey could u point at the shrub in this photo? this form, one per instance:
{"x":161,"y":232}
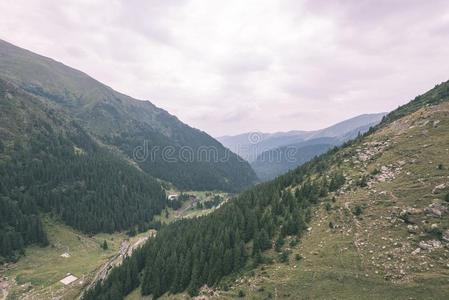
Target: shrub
{"x":283,"y":257}
{"x":358,"y":210}
{"x":242,"y":294}
{"x":375,"y":172}
{"x":298,"y":257}
{"x":446,"y":198}
{"x":328,"y":206}
{"x":294,"y":242}
{"x":363,"y":182}
{"x":434,"y":231}
{"x":105,"y":245}
{"x":279,"y":243}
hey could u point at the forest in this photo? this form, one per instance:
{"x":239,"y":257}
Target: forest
{"x":46,"y":168}
{"x":187,"y":254}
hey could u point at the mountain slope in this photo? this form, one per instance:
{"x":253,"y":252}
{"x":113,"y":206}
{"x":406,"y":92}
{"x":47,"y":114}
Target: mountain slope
{"x":163,"y":146}
{"x":48,"y":163}
{"x":397,"y":171}
{"x":277,"y":161}
{"x":385,"y":236}
{"x":253,"y":144}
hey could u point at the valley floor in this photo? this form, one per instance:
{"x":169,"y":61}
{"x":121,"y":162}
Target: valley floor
{"x":37,"y":275}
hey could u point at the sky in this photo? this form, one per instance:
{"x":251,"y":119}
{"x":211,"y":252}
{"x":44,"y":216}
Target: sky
{"x":234,"y":66}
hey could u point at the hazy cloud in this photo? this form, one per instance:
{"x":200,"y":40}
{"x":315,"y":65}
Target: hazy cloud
{"x":233,"y":66}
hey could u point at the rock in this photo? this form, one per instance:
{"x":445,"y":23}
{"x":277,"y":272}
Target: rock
{"x":412,"y":228}
{"x":438,"y":188}
{"x":446,"y":236}
{"x":436,"y":210}
{"x":430,"y":245}
{"x":401,"y":163}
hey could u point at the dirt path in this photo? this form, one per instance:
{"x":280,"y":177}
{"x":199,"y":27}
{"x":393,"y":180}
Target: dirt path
{"x":126,"y":249}
{"x":103,"y":271}
{"x":4,"y":294}
{"x":4,"y":289}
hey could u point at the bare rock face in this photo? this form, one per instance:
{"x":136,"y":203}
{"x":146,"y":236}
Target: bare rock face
{"x":430,"y":245}
{"x":439,"y":188}
{"x":206,"y":292}
{"x":412,"y":229}
{"x":436,"y":210}
{"x":445,"y":236}
{"x":416,"y":251}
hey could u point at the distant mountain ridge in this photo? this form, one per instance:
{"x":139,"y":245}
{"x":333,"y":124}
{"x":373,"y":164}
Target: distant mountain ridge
{"x":127,"y":124}
{"x":273,"y":154}
{"x":251,"y":144}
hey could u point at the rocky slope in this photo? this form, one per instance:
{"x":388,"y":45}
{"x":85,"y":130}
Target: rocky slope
{"x":385,"y":233}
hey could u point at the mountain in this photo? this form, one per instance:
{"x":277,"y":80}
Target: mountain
{"x":278,"y":161}
{"x":274,"y":162}
{"x":369,"y":219}
{"x":75,"y":149}
{"x":158,"y":142}
{"x":251,"y":145}
{"x":274,"y":154}
{"x":50,"y":164}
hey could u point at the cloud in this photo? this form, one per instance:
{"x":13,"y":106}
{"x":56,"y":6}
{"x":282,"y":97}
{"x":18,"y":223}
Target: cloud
{"x":235,"y":66}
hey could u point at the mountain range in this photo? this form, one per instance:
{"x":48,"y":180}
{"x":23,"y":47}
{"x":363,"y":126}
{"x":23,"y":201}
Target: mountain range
{"x":272,"y":154}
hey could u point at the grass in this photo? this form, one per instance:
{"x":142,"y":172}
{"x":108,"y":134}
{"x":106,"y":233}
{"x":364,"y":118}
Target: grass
{"x":39,"y":271}
{"x":185,"y":211}
{"x":363,"y":256}
{"x":37,"y":274}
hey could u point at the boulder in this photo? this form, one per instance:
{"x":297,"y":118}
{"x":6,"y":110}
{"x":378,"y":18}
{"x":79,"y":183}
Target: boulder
{"x":430,"y":245}
{"x":438,"y":188}
{"x":446,"y":236}
{"x":436,"y":210}
{"x":412,"y":229}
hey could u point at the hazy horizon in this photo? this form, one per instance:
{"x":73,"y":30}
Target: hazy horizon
{"x":230,"y":68}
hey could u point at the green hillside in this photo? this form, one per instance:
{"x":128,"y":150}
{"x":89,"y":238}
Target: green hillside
{"x":368,"y":219}
{"x":48,"y":163}
{"x":387,"y":238}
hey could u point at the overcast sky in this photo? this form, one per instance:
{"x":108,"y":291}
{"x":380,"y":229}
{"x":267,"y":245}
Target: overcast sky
{"x":232,"y":66}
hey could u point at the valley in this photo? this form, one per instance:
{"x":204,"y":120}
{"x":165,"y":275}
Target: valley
{"x":38,"y":273}
{"x":373,"y":223}
{"x":208,"y":150}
